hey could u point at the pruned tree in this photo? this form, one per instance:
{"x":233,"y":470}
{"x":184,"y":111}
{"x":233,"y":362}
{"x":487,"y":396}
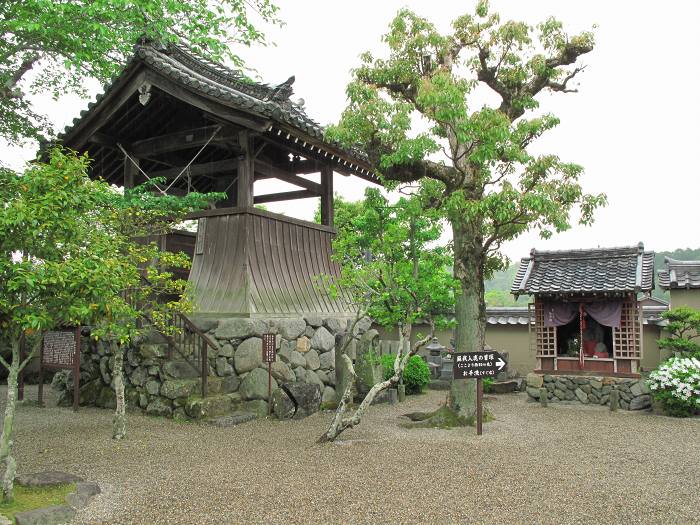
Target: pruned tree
{"x":395,"y":273}
{"x":52,"y":47}
{"x":684,"y":330}
{"x":482,"y":176}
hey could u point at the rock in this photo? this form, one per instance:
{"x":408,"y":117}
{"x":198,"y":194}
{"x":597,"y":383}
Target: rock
{"x":309,"y":332}
{"x":503,"y":387}
{"x":548,"y":379}
{"x":306,"y":397}
{"x":640,"y":402}
{"x":47,"y":478}
{"x":143,"y":400}
{"x":624,"y":405}
{"x":46,"y":516}
{"x":211,"y":406}
{"x":223,"y":367}
{"x":240,"y":328}
{"x":282,"y":405}
{"x":534,"y":380}
{"x":323,"y":340}
{"x":153,"y":351}
{"x":179,"y":388}
{"x":89,"y":392}
{"x":258,"y":407}
{"x":303,"y":344}
{"x":282,"y":372}
{"x":255,"y":384}
{"x":362,"y":325}
{"x":106,"y":398}
{"x":205,"y":323}
{"x":639,"y":388}
{"x":153,"y":387}
{"x":89,"y":488}
{"x":230,"y":384}
{"x":335,"y":325}
{"x":595,"y":384}
{"x":549,"y":387}
{"x":248,"y":355}
{"x":544,"y":396}
{"x":300,"y":374}
{"x":226,"y":350}
{"x":104,"y":370}
{"x":533,"y":392}
{"x":327,"y":360}
{"x":138,"y":377}
{"x":153,"y":370}
{"x":581,"y":395}
{"x":291,"y":328}
{"x":314,"y":320}
{"x":180,"y":370}
{"x":559,"y":394}
{"x":77,"y":501}
{"x":296,"y":359}
{"x":323,"y":376}
{"x":586,"y":388}
{"x":312,"y":379}
{"x":312,"y":360}
{"x":159,"y":407}
{"x":328,"y":395}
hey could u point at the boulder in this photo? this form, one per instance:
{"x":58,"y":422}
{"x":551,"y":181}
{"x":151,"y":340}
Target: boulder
{"x":323,"y":340}
{"x":282,"y":405}
{"x":211,"y":406}
{"x":282,"y":372}
{"x":255,"y":384}
{"x":303,"y":344}
{"x":534,"y":380}
{"x":159,"y":407}
{"x":153,"y":351}
{"x":595,"y":384}
{"x":314,"y":320}
{"x":230,"y":384}
{"x":106,"y":398}
{"x":639,"y":388}
{"x":335,"y":325}
{"x":248,"y":355}
{"x":312,"y":360}
{"x":300,"y":374}
{"x":640,"y":402}
{"x":581,"y":395}
{"x":153,"y":387}
{"x":205,"y":323}
{"x":179,"y":388}
{"x":291,"y":328}
{"x":180,"y":370}
{"x":503,"y":387}
{"x":47,"y":478}
{"x":258,"y":407}
{"x":89,"y":392}
{"x":328,"y":395}
{"x":312,"y":379}
{"x":327,"y":360}
{"x":226,"y":350}
{"x":138,"y":377}
{"x":223,"y":367}
{"x":306,"y":397}
{"x":46,"y":515}
{"x":362,"y":325}
{"x":533,"y":392}
{"x":240,"y":328}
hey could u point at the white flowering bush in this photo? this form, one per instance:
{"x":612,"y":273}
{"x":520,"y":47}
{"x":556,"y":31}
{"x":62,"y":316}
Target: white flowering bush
{"x":676,"y":383}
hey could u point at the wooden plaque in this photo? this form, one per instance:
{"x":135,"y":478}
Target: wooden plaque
{"x":61,"y":349}
{"x":268,"y":348}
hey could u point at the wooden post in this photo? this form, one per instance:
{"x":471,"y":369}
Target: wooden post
{"x":246,"y":171}
{"x":76,"y":371}
{"x":41,"y":375}
{"x":479,"y":405}
{"x":131,"y":171}
{"x":205,"y":368}
{"x":269,"y":388}
{"x":20,"y":381}
{"x":327,"y":196}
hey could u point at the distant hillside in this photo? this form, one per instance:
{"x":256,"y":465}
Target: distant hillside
{"x":498,"y":288}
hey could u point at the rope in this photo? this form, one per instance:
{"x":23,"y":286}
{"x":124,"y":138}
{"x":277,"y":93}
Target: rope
{"x":218,"y":128}
{"x":139,"y":168}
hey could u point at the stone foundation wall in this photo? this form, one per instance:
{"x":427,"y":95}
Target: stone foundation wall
{"x":634,"y":393}
{"x":238,"y":377}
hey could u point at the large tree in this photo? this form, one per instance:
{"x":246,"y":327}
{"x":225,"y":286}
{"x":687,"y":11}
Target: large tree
{"x":482,"y":175}
{"x":52,"y":46}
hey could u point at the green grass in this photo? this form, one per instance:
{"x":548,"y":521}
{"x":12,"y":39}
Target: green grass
{"x":35,"y":498}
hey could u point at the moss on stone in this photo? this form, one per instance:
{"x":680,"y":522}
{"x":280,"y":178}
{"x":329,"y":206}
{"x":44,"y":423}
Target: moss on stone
{"x":444,"y":417}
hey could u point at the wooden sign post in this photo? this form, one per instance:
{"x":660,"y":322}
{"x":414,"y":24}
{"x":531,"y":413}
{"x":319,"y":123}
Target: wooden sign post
{"x":60,"y":349}
{"x":269,"y":356}
{"x":478,"y":365}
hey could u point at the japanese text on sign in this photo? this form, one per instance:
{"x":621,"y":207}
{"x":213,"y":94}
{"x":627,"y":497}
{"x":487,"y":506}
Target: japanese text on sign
{"x":268,"y":348}
{"x":59,"y":348}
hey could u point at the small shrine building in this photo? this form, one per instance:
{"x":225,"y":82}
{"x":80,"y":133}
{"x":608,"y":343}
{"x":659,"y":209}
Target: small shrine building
{"x":682,"y":280}
{"x":588,"y":319}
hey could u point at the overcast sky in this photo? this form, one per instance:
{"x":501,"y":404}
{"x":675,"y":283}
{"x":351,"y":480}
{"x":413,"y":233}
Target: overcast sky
{"x":633,"y":124}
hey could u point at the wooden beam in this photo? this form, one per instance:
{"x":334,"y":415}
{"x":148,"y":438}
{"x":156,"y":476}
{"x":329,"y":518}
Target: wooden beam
{"x":283,"y":196}
{"x":268,"y":171}
{"x":131,"y":171}
{"x":179,"y":140}
{"x":327,"y":196}
{"x":246,"y":170}
{"x":206,"y":168}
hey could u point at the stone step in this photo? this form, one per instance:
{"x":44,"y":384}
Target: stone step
{"x":212,"y":406}
{"x":231,"y":420}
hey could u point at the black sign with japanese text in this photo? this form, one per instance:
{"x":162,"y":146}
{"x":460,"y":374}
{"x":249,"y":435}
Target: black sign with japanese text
{"x":268,"y":348}
{"x":473,"y":365}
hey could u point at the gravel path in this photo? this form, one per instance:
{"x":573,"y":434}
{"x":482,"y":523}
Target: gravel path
{"x":563,"y":464}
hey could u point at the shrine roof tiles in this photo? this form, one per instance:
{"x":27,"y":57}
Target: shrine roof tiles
{"x":592,"y":271}
{"x":519,"y":315}
{"x":679,"y":274}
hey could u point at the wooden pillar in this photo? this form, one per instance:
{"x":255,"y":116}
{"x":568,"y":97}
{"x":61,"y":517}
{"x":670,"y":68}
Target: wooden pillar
{"x":246,"y":170}
{"x":327,"y":196}
{"x":226,"y":184}
{"x":131,"y":171}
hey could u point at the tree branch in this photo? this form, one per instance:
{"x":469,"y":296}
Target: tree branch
{"x":9,"y":90}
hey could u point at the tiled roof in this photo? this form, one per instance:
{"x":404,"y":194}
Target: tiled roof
{"x":598,"y":270}
{"x":518,"y":315}
{"x":230,"y":88}
{"x":679,"y":274}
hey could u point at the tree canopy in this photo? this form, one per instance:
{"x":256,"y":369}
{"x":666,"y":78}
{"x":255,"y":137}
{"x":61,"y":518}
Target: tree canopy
{"x":51,"y":46}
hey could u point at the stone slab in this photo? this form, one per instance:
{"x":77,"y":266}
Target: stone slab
{"x":47,"y":516}
{"x":231,"y":420}
{"x":47,"y":479}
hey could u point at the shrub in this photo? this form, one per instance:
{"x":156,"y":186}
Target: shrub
{"x":488,"y":381}
{"x":416,"y":375}
{"x":676,"y":383}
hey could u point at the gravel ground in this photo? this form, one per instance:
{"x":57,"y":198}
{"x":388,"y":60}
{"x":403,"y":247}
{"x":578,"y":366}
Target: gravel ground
{"x":563,"y":464}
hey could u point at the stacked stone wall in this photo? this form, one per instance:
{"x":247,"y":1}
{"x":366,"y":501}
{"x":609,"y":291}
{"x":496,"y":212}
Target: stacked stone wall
{"x":237,"y":378}
{"x":634,"y":393}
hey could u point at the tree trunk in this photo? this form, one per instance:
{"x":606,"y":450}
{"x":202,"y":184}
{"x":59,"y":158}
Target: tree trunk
{"x":470,"y":309}
{"x":119,"y":424}
{"x":6,"y":440}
